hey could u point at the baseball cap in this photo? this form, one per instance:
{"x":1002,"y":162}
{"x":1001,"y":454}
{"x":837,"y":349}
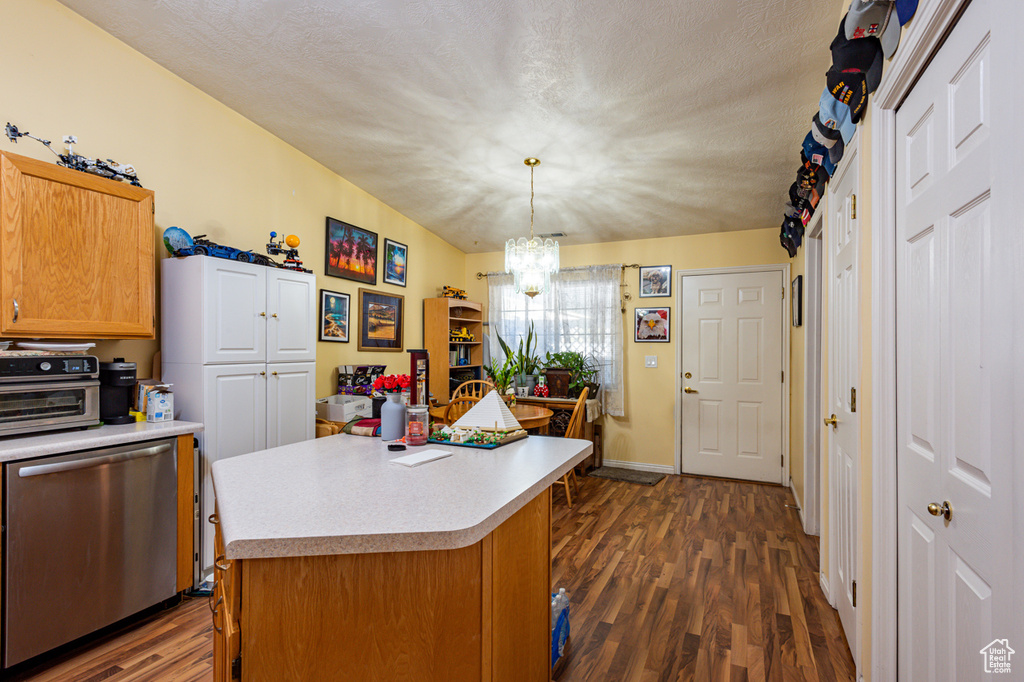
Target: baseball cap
{"x":787,"y":242}
{"x":905,"y":10}
{"x":794,"y":227}
{"x":835,"y":152}
{"x":791,"y":211}
{"x":863,"y":54}
{"x":871,"y":18}
{"x":825,"y":136}
{"x":851,"y":88}
{"x":836,"y":115}
{"x":817,"y":154}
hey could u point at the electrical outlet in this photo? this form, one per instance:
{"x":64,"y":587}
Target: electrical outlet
{"x":650,"y":361}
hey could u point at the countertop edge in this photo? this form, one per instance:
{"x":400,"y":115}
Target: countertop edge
{"x":279,"y":548}
{"x":18,"y":448}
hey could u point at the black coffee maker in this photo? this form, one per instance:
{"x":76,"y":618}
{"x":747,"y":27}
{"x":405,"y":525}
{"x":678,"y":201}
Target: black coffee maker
{"x":117,"y":383}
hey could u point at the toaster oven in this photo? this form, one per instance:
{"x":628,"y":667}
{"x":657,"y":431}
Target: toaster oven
{"x":47,"y":392}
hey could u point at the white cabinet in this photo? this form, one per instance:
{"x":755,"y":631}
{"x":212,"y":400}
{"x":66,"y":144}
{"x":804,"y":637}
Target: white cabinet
{"x":291,"y":316}
{"x":234,"y":304}
{"x":239,"y":344}
{"x":217,"y":311}
{"x":291,"y":396}
{"x":235,"y":405}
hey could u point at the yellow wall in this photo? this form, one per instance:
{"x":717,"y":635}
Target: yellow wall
{"x":796,"y":384}
{"x":213,"y":171}
{"x":646,"y":434}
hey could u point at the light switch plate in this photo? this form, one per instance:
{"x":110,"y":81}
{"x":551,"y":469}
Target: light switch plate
{"x":650,"y":361}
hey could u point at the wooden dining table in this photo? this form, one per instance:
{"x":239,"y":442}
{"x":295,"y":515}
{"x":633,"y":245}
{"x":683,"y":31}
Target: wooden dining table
{"x":528,"y":416}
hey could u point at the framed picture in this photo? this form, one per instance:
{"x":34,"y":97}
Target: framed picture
{"x":334,"y":316}
{"x":798,"y":300}
{"x":381,"y":319}
{"x":651,"y":325}
{"x":396,"y":256}
{"x":655,"y":281}
{"x":351,"y":252}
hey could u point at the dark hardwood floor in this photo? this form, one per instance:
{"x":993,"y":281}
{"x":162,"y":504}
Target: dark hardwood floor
{"x":691,"y":579}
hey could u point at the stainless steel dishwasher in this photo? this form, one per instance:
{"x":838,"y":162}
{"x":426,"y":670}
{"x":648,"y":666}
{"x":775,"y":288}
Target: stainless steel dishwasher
{"x":89,"y":538}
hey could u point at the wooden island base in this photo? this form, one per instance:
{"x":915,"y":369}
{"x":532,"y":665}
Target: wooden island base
{"x":480,"y":613}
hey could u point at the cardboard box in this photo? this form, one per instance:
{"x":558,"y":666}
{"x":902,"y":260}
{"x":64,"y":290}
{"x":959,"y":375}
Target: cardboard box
{"x":344,"y":408}
{"x":159,"y":405}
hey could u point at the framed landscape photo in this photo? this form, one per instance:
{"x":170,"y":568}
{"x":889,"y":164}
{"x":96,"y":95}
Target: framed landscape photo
{"x":396,"y":256}
{"x":381,"y":320}
{"x":334,"y":316}
{"x":651,"y":325}
{"x":655,"y":281}
{"x":351,"y":252}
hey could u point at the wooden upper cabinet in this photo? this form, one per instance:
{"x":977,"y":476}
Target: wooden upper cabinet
{"x":77,"y":254}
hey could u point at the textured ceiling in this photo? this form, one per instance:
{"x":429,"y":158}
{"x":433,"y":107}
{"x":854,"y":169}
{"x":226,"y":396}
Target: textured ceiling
{"x":651,"y":117}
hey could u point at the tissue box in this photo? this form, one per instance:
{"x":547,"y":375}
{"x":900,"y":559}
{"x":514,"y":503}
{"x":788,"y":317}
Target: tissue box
{"x":159,"y":406}
{"x":343,"y":408}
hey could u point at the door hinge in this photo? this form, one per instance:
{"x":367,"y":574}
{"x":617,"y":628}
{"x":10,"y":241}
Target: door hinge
{"x":154,"y":208}
{"x":783,"y":376}
{"x":854,"y":594}
{"x":782,"y":460}
{"x":236,"y":668}
{"x":783,"y":293}
{"x":853,"y":400}
{"x":853,"y":207}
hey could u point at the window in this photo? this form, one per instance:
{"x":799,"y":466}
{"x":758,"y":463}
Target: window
{"x":580,"y":313}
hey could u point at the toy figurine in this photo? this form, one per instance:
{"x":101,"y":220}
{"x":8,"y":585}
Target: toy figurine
{"x":453,"y":292}
{"x":291,"y":254}
{"x":107,"y":169}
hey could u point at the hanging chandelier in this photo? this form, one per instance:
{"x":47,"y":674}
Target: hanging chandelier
{"x":531,"y":262}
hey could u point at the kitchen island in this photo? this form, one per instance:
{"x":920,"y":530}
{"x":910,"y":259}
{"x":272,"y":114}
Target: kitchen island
{"x":336,"y":564}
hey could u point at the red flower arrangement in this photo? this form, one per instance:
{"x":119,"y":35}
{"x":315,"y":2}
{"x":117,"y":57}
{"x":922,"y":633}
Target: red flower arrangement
{"x":392,"y":383}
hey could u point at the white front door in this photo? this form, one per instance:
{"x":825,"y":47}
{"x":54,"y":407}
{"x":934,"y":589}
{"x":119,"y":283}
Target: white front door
{"x":732,"y":334}
{"x":843,"y":243}
{"x":291,"y":316}
{"x":954,"y":442}
{"x":291,"y":402}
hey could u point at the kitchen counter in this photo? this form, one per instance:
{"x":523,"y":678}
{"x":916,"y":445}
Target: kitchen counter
{"x":14,"y":448}
{"x":341,"y":495}
{"x":353,"y":568}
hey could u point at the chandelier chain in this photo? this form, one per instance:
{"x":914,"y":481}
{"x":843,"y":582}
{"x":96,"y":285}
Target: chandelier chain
{"x":531,"y":202}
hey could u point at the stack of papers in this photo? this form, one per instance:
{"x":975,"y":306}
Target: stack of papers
{"x":422,"y":457}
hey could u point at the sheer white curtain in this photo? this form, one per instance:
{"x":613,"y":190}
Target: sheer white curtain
{"x":580,"y":313}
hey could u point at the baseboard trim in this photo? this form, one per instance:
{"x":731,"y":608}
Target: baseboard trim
{"x":640,"y":466}
{"x":823,"y":581}
{"x":799,"y":506}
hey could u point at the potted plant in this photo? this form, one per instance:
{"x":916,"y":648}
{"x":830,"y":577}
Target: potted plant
{"x":525,"y":362}
{"x":500,"y":375}
{"x":569,"y":372}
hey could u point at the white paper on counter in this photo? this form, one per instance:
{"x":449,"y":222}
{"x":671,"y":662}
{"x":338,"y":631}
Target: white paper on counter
{"x":422,"y":457}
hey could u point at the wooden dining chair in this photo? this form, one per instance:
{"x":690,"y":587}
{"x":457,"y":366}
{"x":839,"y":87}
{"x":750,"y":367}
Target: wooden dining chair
{"x":458,"y":407}
{"x":477,"y":388}
{"x":574,"y":430}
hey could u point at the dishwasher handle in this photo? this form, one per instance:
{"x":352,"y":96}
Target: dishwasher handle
{"x":89,"y":462}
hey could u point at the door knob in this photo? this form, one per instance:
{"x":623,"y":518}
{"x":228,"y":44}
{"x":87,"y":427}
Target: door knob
{"x":263,"y":314}
{"x":689,"y":390}
{"x":945,"y":511}
{"x":274,"y":315}
{"x":832,"y":421}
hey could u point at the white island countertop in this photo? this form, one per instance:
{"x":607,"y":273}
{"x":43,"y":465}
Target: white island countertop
{"x":341,"y":495}
{"x":14,"y":448}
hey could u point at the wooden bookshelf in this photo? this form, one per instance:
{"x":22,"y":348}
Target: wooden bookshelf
{"x":440,"y":315}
